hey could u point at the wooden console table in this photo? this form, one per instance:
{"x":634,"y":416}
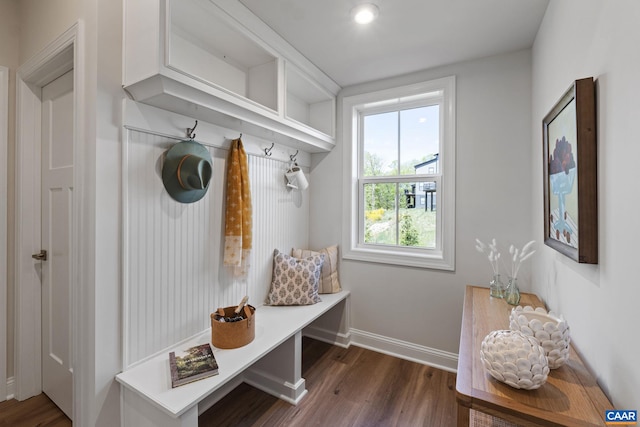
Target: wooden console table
{"x":570,"y":397}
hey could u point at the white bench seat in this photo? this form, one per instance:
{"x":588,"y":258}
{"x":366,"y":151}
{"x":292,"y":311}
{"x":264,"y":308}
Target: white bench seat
{"x":271,"y":362}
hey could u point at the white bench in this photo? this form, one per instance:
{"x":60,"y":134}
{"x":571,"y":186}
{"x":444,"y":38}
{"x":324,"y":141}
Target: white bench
{"x":272,"y":362}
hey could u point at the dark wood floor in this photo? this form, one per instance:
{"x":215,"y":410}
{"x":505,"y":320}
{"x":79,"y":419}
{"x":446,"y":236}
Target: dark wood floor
{"x":37,"y":411}
{"x":346,"y":387}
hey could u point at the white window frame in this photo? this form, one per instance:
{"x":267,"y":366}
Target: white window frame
{"x":441,"y":257}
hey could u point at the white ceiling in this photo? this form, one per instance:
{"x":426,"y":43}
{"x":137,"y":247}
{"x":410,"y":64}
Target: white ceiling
{"x":409,"y":35}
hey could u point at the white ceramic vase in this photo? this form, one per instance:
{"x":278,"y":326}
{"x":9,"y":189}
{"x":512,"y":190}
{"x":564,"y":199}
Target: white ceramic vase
{"x":551,"y":331}
{"x":515,"y":359}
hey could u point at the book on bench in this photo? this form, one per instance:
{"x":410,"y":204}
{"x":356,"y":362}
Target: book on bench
{"x":192,"y":364}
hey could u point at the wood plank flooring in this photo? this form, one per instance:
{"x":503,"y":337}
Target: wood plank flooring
{"x":38,"y":411}
{"x":347,"y":387}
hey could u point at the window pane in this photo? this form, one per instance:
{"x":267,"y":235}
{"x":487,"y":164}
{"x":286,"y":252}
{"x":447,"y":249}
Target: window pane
{"x":419,"y":140}
{"x":380,"y":142}
{"x":414,"y":223}
{"x":417,"y":215}
{"x":417,"y":151}
{"x":380,"y":222}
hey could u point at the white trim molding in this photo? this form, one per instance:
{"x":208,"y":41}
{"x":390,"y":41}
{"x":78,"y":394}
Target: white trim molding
{"x":11,"y":388}
{"x":442,"y":257}
{"x":405,"y":350}
{"x":60,"y":56}
{"x":28,"y":375}
{"x":4,"y":133}
{"x":329,"y":336}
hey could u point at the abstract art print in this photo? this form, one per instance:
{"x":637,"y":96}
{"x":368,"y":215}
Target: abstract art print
{"x":570,"y":174}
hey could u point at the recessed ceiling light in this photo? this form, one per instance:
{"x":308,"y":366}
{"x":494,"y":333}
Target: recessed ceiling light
{"x":365,"y":13}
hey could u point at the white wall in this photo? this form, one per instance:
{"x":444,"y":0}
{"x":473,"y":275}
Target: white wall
{"x":583,"y":38}
{"x":102,"y":336}
{"x":422,"y":307}
{"x":43,"y":21}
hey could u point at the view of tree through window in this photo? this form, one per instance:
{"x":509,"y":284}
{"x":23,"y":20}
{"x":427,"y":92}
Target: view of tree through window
{"x":400,"y":154}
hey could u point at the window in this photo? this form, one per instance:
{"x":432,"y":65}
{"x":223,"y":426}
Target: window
{"x":399,"y":175}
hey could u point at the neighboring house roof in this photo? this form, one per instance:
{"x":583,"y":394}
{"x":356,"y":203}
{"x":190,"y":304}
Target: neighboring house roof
{"x":434,"y":158}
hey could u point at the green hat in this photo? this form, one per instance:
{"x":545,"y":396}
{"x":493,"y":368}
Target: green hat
{"x":187,"y":171}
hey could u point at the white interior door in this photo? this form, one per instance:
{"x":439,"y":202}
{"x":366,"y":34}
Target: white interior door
{"x":57,"y":198}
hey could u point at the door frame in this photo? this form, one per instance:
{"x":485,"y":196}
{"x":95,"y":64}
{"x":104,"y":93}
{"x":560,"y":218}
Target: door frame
{"x":61,"y":55}
{"x":4,"y":124}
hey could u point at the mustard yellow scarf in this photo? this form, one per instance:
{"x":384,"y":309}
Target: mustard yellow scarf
{"x":238,"y":222}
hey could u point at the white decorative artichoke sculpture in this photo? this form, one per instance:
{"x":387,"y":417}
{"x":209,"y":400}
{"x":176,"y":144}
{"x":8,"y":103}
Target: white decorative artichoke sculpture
{"x":515,"y":359}
{"x":551,"y":331}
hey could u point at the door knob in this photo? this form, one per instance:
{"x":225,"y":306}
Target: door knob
{"x":41,"y":256}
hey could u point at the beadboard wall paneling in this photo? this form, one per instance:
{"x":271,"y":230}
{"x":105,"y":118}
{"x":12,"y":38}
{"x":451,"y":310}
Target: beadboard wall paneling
{"x":172,"y":252}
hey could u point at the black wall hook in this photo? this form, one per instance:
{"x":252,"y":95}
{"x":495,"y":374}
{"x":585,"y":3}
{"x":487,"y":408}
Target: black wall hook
{"x":267,"y":151}
{"x":190,"y":133}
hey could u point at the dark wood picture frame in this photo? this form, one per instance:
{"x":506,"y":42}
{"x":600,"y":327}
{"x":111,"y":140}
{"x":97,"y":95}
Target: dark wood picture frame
{"x":570,"y":174}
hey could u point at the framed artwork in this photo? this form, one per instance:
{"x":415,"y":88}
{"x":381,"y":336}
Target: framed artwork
{"x":570,"y":174}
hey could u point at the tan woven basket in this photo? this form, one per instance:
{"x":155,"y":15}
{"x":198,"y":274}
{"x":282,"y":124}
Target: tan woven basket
{"x":233,"y":334}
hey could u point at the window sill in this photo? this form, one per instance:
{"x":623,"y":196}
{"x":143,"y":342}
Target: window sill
{"x":436,"y":260}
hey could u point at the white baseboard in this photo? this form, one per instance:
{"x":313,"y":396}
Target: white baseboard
{"x":275,"y":386}
{"x":11,"y":388}
{"x":405,"y":350}
{"x":325,"y":335}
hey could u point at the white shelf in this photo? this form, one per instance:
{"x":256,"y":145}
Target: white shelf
{"x":308,"y":103}
{"x":213,"y":60}
{"x":207,"y":47}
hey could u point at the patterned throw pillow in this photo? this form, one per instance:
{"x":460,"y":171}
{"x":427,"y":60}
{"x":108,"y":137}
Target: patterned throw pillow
{"x":329,"y":282}
{"x":295,"y":281}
